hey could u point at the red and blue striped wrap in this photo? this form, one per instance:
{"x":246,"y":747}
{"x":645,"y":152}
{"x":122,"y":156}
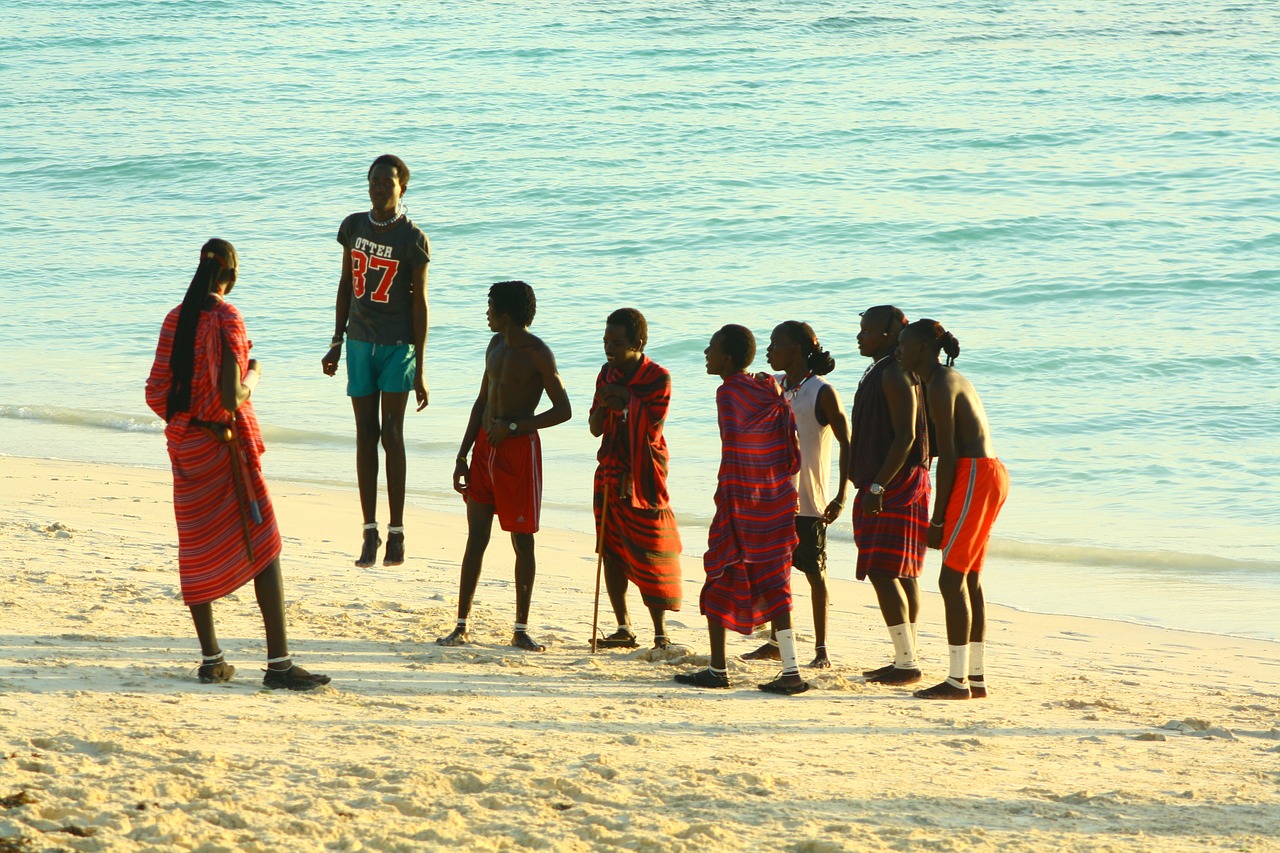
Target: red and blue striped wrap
{"x":749,"y":546}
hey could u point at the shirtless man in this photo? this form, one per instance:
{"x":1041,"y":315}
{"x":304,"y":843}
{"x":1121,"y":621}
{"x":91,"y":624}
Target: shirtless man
{"x":505,"y":472}
{"x":972,"y":485}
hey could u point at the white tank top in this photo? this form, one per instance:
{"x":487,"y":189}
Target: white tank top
{"x":815,"y":444}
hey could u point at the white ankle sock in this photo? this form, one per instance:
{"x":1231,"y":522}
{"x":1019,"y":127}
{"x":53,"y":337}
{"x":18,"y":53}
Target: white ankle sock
{"x":373,"y":525}
{"x":959,"y":670}
{"x":787,"y":649}
{"x":977,"y":654}
{"x":915,"y":637}
{"x":399,"y":530}
{"x":521,"y":628}
{"x":904,"y":648}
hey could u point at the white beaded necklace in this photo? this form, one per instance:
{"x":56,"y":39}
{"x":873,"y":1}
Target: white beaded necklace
{"x":391,"y":221}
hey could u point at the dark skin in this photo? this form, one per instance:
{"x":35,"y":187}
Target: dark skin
{"x":961,"y":430}
{"x":785,"y":354}
{"x":519,"y":367}
{"x":899,"y":598}
{"x":624,"y":353}
{"x":720,"y":363}
{"x":380,"y":416}
{"x":268,"y":586}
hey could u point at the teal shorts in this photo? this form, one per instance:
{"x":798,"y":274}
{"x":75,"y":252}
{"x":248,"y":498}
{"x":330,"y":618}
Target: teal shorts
{"x":379,"y":367}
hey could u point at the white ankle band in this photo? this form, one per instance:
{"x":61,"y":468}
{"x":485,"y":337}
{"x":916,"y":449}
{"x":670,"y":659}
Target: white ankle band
{"x":521,"y":627}
{"x":399,"y":529}
{"x":280,"y":660}
{"x":214,"y":659}
{"x":373,"y":525}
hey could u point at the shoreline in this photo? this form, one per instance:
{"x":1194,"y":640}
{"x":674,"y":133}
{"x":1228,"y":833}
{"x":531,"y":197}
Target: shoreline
{"x":1097,"y":735}
{"x":841,"y":551}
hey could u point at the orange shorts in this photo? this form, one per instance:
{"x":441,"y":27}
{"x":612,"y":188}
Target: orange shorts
{"x":980,"y":489}
{"x":509,"y":478}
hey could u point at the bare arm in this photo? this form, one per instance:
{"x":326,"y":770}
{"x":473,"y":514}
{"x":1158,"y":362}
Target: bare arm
{"x":342,"y":311}
{"x":235,"y":392}
{"x":420,"y":389}
{"x":942,"y":413}
{"x":560,"y":410}
{"x":469,"y":436}
{"x":829,"y":406}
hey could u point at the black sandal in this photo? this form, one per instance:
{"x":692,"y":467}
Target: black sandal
{"x":215,"y":671}
{"x":619,"y":639}
{"x":293,"y":678}
{"x":703,"y":678}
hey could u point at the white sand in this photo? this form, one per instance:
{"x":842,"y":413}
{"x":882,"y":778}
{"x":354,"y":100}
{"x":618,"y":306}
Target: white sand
{"x":108,"y":743}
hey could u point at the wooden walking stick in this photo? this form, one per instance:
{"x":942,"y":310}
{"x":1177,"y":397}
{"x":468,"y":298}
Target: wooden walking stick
{"x":604,"y":518}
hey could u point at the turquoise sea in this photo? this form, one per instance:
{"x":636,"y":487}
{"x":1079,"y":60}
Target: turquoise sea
{"x":1084,"y":192}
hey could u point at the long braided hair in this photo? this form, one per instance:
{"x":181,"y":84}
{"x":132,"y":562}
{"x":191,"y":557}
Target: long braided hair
{"x":217,"y":256}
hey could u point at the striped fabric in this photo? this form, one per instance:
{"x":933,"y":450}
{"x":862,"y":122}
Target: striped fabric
{"x":212,"y":559}
{"x":980,"y":490}
{"x":748,"y":558}
{"x":893,"y":542}
{"x":640,"y":532}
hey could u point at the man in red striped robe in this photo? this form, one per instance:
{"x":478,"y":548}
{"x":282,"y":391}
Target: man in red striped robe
{"x":640,"y":540}
{"x":753,"y":534}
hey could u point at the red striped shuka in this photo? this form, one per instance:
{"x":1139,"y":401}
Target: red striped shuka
{"x":640,"y":532}
{"x":212,"y":558}
{"x":748,"y":558}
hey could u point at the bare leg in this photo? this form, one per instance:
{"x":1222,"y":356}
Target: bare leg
{"x":978,"y":605}
{"x":659,"y":617}
{"x":892,"y":596}
{"x":268,"y":587}
{"x":821,"y":601}
{"x":615,"y":582}
{"x":526,"y":570}
{"x":202,"y":616}
{"x":479,"y":527}
{"x":716,"y":676}
{"x":368,"y":435}
{"x":955,"y":598}
{"x":716,"y":632}
{"x":393,"y":406}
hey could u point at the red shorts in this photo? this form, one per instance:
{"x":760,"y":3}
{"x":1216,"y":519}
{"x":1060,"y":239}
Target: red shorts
{"x":979,"y":491}
{"x":509,"y":478}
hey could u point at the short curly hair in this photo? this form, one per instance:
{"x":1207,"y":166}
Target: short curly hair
{"x":633,"y":323}
{"x":739,"y":344}
{"x":402,"y":171}
{"x":515,"y":299}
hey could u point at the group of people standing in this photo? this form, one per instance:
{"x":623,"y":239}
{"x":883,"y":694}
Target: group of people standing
{"x":772,"y":498}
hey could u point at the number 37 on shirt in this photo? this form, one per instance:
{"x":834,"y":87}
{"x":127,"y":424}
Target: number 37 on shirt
{"x":361,"y":264}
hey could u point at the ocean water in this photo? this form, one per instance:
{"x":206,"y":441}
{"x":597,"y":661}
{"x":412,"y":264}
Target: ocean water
{"x":1083,"y":192}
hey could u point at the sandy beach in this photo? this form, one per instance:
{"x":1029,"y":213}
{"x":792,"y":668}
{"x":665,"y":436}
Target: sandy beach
{"x":1097,"y":736}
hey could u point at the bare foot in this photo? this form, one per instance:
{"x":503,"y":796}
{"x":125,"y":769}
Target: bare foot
{"x":877,"y":672}
{"x":522,"y":640}
{"x":395,"y":550}
{"x":769,"y":651}
{"x":977,"y":687}
{"x":945,"y":690}
{"x":369,"y":553}
{"x":820,"y":660}
{"x":457,"y":638}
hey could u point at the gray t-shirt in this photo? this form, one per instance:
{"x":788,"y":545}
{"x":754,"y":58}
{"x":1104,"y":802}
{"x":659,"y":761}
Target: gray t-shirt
{"x":382,"y":278}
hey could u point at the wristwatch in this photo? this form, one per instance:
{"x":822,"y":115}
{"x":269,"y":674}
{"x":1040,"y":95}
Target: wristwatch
{"x":876,"y":489}
{"x":512,"y":427}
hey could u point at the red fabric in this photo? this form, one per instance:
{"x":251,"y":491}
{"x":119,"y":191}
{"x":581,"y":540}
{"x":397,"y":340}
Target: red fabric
{"x":893,"y":542}
{"x":509,"y":478}
{"x":633,"y":453}
{"x":646,"y":543}
{"x":980,"y":490}
{"x":640,"y":533}
{"x":748,"y":558}
{"x":212,"y":560}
